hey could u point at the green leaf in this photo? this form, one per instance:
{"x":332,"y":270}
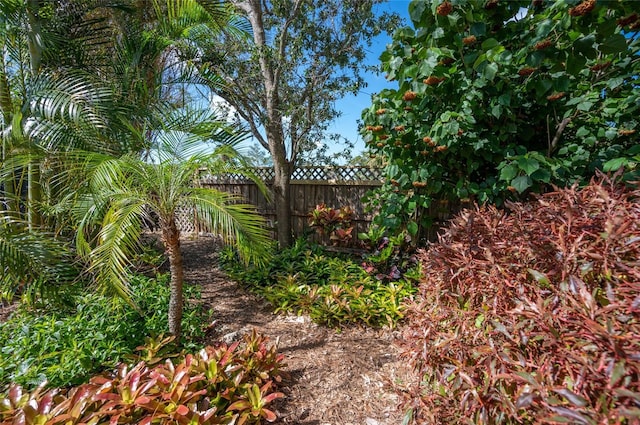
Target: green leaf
{"x":611,"y":133}
{"x":408,"y":415}
{"x":479,"y":29}
{"x":393,"y":170}
{"x":496,"y":111}
{"x":505,"y":99}
{"x":582,"y":132}
{"x":573,"y":398}
{"x":509,"y":172}
{"x":412,"y":228}
{"x":438,"y":33}
{"x":528,"y":165}
{"x":521,"y":183}
{"x":575,"y":63}
{"x":634,"y":150}
{"x":427,"y":65}
{"x":489,"y":44}
{"x":416,"y":9}
{"x":616,"y":43}
{"x":452,"y":127}
{"x":544,"y":28}
{"x":541,"y":175}
{"x":490,"y":71}
{"x":585,"y":106}
{"x":543,"y":86}
{"x":395,"y":63}
{"x":615,"y":82}
{"x":560,"y":82}
{"x":535,"y":58}
{"x":539,"y":277}
{"x":614,"y":164}
{"x":619,"y":370}
{"x":586,"y":46}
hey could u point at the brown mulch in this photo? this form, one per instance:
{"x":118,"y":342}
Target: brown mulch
{"x":334,"y":377}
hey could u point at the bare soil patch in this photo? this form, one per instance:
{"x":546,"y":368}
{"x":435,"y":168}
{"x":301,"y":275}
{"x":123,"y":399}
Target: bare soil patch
{"x":333,"y":377}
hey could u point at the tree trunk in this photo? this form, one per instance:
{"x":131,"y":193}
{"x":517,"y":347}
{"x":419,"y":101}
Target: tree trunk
{"x":282,"y":200}
{"x":34,"y":196}
{"x":171,"y":240}
{"x":273,"y":124}
{"x":34,"y":36}
{"x":6,"y":105}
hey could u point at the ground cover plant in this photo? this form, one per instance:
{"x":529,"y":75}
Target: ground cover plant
{"x":332,"y":290}
{"x":218,"y":385}
{"x":67,"y":346}
{"x":532,"y":315}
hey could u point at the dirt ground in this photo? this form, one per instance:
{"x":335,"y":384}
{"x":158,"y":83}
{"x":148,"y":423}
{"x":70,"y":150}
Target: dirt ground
{"x":334,"y":378}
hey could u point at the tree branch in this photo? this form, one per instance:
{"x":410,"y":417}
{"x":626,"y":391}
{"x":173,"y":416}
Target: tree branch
{"x":554,"y":143}
{"x":282,"y":45}
{"x":246,"y":112}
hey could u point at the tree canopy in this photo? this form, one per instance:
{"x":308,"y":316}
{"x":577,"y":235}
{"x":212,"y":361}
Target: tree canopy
{"x":305,"y":55}
{"x":499,"y":98}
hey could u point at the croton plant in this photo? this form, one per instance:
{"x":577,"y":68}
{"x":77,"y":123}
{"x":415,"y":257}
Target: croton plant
{"x":227,"y":384}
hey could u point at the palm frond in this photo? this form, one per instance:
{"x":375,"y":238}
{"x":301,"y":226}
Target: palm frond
{"x":225,"y":19}
{"x":70,"y":110}
{"x":31,"y":259}
{"x":238,"y":223}
{"x":109,"y":251}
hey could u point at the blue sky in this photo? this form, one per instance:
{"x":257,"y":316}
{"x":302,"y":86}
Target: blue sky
{"x":352,"y":106}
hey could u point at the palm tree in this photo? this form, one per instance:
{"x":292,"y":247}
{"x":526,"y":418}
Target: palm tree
{"x":122,"y":191}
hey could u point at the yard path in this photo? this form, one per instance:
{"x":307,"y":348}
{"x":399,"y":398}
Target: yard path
{"x":334,"y":378}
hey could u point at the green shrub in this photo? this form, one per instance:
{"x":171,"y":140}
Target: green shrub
{"x":532,"y":315}
{"x":65,"y":347}
{"x":334,"y":291}
{"x":218,"y":385}
{"x":495,"y":99}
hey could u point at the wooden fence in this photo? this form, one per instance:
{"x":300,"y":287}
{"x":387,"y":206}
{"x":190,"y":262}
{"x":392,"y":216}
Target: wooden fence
{"x":335,"y":187}
{"x":310,"y":186}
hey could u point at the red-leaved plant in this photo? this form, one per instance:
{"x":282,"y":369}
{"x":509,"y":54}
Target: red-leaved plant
{"x":531,"y":315}
{"x":332,"y":222}
{"x":218,"y":385}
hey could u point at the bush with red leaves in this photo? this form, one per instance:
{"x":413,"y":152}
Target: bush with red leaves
{"x":532,"y":315}
{"x":227,"y":384}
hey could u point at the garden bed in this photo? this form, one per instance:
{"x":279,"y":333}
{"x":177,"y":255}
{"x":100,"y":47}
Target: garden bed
{"x":334,"y":377}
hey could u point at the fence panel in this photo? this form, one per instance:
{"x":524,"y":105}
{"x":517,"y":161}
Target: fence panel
{"x":335,"y":187}
{"x":310,"y":186}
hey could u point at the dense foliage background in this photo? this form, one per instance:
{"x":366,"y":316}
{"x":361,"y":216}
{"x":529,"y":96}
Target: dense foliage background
{"x":66,"y":344}
{"x":499,"y":98}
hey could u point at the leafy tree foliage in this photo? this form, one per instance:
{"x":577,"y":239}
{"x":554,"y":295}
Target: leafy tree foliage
{"x":305,"y":55}
{"x":499,"y":98}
